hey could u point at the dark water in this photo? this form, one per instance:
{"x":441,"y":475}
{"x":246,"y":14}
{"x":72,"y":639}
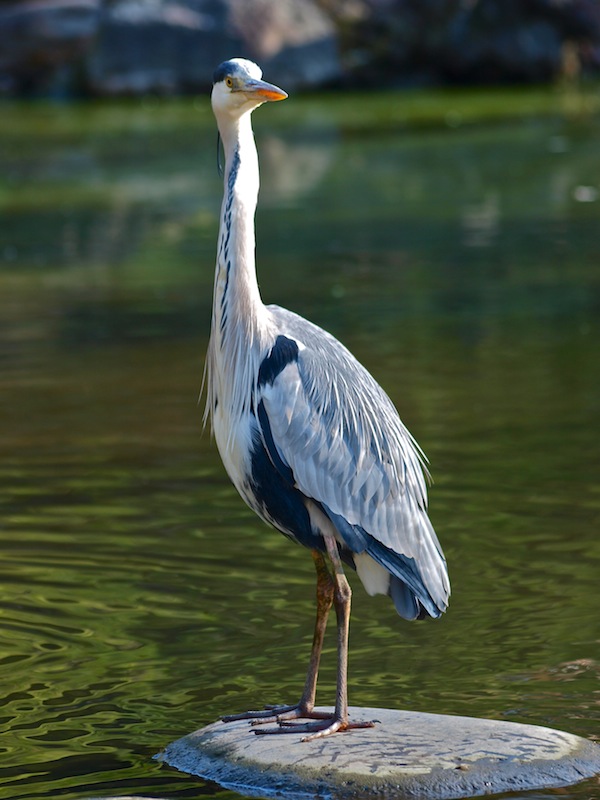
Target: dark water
{"x":139,"y":598}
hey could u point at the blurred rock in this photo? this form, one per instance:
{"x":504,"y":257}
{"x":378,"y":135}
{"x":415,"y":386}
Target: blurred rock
{"x":467,"y":41}
{"x":112,"y":47}
{"x":174,"y":45}
{"x":40,"y":38}
{"x":489,"y":44}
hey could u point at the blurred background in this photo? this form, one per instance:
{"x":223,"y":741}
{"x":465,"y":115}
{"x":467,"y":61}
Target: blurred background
{"x":431,"y":195}
{"x":131,"y":47}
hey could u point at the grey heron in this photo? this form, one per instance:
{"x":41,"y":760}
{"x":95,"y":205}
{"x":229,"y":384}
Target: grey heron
{"x":308,"y":437}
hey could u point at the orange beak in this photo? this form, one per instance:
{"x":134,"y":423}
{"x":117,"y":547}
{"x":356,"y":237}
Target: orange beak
{"x":264,"y":90}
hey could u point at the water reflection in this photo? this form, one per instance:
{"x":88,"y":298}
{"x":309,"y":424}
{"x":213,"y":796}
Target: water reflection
{"x":481,"y":221}
{"x":460,"y":265}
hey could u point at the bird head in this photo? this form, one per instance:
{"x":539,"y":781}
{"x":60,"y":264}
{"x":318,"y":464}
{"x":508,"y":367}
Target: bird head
{"x":238,"y":88}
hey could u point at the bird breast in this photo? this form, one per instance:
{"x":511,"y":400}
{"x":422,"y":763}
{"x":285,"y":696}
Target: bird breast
{"x":234,"y":440}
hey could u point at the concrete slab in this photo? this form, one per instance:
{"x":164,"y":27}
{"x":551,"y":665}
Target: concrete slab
{"x":429,"y":756}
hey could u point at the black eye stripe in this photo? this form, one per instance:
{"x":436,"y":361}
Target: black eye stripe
{"x":226,"y":70}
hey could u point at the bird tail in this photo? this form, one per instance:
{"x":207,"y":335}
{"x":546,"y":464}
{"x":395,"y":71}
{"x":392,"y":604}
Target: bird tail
{"x":417,"y":589}
{"x":415,"y":596}
{"x":405,"y":601}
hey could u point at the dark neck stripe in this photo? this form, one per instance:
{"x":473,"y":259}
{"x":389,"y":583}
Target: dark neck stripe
{"x":231,"y":179}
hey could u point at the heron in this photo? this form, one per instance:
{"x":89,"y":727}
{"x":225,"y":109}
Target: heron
{"x":309,"y":439}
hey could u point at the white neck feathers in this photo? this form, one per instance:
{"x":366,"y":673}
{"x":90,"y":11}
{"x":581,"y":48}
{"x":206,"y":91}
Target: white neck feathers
{"x":239,"y":318}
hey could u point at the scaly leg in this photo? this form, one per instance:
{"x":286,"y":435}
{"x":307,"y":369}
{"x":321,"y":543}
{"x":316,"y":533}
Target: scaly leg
{"x":327,"y":723}
{"x":304,"y":708}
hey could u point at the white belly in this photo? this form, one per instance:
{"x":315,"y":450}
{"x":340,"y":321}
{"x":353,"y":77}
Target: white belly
{"x":235,"y":444}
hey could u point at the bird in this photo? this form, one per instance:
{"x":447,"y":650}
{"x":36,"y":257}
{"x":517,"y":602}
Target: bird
{"x":309,"y":439}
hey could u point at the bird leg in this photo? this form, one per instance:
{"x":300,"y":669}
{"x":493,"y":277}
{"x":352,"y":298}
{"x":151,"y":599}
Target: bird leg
{"x":304,"y":708}
{"x":325,"y":597}
{"x":326,"y":724}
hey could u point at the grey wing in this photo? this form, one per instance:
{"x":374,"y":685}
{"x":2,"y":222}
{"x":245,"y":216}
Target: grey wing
{"x":347,"y":448}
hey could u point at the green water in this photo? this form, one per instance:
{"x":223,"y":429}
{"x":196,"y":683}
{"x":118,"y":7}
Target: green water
{"x":455,"y":249}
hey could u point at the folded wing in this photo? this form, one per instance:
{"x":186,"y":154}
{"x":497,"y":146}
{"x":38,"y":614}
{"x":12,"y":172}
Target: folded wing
{"x":329,"y":422}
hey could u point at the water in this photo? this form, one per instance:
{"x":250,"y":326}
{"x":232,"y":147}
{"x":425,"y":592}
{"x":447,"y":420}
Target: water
{"x":139,"y":598}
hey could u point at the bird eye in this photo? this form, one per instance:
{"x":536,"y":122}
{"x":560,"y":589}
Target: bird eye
{"x":229,"y":82}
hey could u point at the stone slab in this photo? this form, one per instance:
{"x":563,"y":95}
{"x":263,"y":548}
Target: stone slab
{"x":429,"y":756}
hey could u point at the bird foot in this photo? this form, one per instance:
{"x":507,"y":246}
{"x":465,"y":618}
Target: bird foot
{"x":273,"y":713}
{"x":323,"y":725}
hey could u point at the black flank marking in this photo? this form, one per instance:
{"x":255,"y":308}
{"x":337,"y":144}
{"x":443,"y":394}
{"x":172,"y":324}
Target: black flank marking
{"x":280,"y":465}
{"x":274,"y":490}
{"x":283,"y":352}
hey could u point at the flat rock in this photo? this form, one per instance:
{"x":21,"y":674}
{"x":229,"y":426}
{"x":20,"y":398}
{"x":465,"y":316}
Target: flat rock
{"x":406,"y":753}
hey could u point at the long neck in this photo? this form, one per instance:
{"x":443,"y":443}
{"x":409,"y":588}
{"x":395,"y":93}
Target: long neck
{"x":239,"y":318}
{"x":237,"y":299}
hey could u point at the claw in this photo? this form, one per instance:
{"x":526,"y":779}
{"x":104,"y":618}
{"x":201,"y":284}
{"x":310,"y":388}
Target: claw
{"x":269,"y":714}
{"x":315,"y":730}
{"x":335,"y":726}
{"x":322,"y":723}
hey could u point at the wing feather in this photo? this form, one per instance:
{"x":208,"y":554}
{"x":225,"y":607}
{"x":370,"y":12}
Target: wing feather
{"x":347,"y":448}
